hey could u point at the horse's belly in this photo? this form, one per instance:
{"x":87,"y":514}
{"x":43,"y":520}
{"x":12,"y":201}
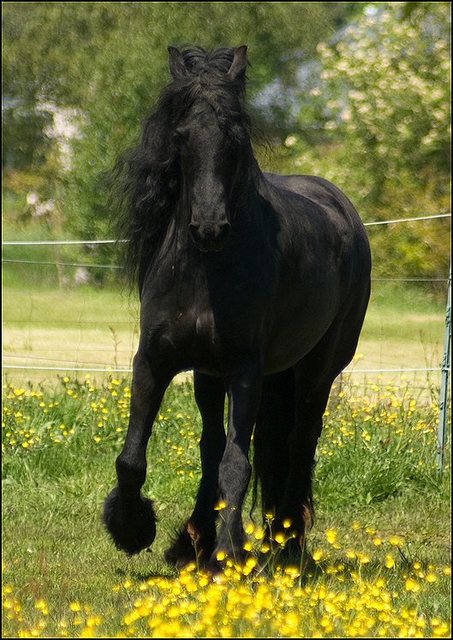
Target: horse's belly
{"x":292,"y":339}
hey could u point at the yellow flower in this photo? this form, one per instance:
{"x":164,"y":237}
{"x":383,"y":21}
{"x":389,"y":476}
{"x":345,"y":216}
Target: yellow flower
{"x":389,"y":561}
{"x":412,"y":585}
{"x":220,"y":505}
{"x":75,"y":606}
{"x":363,"y":558}
{"x":331,"y":535}
{"x":259,"y":533}
{"x":317,"y":555}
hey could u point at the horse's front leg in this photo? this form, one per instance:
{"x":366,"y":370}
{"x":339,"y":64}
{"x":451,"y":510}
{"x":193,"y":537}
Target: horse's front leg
{"x":244,"y":392}
{"x":128,"y":516}
{"x":196,"y":540}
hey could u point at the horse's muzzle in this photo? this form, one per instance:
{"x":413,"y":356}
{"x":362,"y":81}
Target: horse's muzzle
{"x":210,"y":236}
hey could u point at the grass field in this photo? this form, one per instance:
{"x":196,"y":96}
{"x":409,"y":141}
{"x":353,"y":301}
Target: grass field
{"x":90,"y":327}
{"x":381,"y":539}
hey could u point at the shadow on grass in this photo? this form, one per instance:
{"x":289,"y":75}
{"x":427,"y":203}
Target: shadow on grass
{"x":141,"y":575}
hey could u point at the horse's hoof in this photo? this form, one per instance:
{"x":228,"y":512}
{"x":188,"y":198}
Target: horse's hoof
{"x":215,"y":570}
{"x":188,"y":546}
{"x":181,"y":553}
{"x":130,"y":521}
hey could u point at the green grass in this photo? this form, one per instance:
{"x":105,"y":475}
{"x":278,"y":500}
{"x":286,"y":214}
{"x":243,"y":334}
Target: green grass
{"x":68,"y":308}
{"x":375,"y":479}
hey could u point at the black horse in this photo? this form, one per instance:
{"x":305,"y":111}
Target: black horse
{"x":257,"y":282}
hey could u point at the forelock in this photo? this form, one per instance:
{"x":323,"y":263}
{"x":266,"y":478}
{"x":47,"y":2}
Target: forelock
{"x":207,"y":81}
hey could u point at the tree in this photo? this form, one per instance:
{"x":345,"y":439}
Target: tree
{"x":109,"y":60}
{"x":375,"y":120}
{"x":388,"y":88}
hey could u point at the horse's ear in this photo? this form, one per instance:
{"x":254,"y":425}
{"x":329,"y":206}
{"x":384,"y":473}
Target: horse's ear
{"x":176,"y":63}
{"x":239,"y":64}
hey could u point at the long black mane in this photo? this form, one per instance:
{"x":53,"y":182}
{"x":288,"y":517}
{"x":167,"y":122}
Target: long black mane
{"x":147,"y":177}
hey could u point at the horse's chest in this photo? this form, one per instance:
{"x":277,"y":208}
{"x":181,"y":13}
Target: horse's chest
{"x":200,"y":340}
{"x":191,"y":331}
{"x":204,"y":329}
{"x":207,"y":323}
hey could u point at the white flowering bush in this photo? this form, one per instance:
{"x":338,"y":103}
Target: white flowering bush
{"x":387,"y":79}
{"x":377,"y":124}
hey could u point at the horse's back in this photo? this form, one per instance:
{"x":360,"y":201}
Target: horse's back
{"x":331,"y":202}
{"x":319,"y":190}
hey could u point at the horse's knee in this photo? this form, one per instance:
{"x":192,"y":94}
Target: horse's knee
{"x":131,"y":474}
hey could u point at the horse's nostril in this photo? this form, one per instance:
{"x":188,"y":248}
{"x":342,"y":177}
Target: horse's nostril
{"x":224,"y":231}
{"x":208,"y":236}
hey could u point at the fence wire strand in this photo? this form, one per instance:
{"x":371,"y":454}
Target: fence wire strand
{"x":95,"y":242}
{"x":95,"y":367}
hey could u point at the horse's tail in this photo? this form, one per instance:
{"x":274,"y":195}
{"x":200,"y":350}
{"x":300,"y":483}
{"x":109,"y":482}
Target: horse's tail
{"x":274,"y":423}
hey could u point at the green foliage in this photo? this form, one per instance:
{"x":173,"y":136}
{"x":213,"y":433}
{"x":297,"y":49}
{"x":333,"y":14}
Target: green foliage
{"x":110,"y":61}
{"x":374,"y":115}
{"x":378,"y":126}
{"x":386,"y":93}
{"x":25,"y":143}
{"x":93,"y":50}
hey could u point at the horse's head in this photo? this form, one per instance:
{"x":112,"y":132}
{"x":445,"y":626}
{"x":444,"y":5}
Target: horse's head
{"x":210,"y":136}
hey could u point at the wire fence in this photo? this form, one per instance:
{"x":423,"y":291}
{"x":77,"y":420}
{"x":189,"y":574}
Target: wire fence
{"x":29,"y":361}
{"x":73,"y":345}
{"x":17,"y":243}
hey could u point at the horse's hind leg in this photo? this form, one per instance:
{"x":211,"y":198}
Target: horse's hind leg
{"x":196,"y":541}
{"x":314,"y":376}
{"x":295,"y":513}
{"x":274,"y":423}
{"x":287,"y":430}
{"x":128,"y":516}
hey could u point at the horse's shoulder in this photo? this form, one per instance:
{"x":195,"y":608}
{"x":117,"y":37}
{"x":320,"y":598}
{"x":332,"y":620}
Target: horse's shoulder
{"x":323,"y":195}
{"x":305,"y":185}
